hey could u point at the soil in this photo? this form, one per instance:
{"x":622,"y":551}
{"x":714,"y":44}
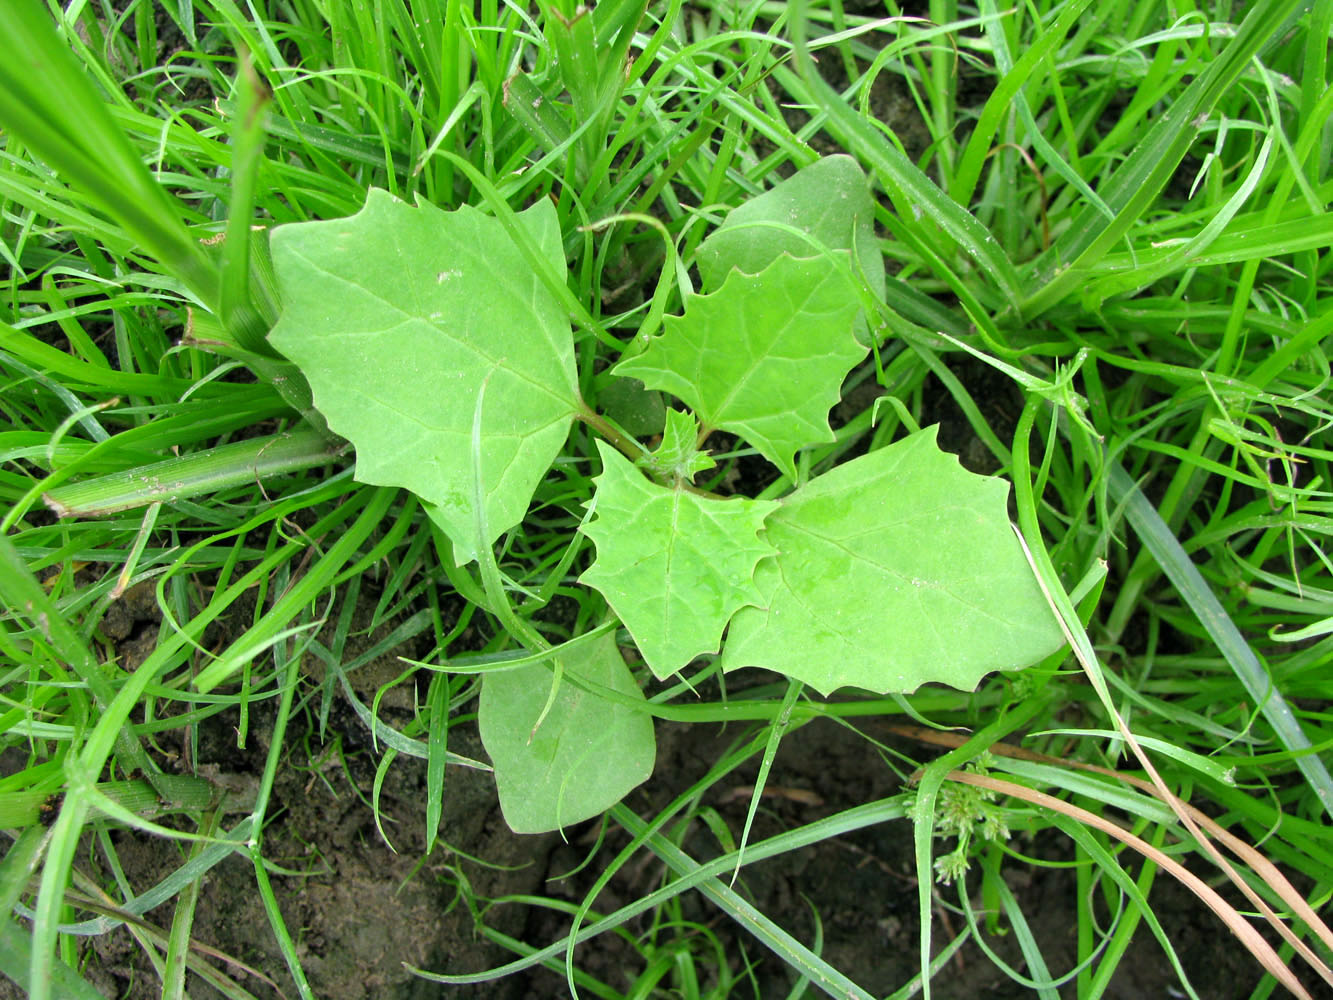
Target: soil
{"x":359,"y":910}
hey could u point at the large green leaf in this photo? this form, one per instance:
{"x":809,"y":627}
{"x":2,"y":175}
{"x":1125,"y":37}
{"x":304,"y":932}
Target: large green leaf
{"x":897,"y":568}
{"x":587,"y":753}
{"x":828,"y":200}
{"x":399,"y":316}
{"x":764,"y":356}
{"x":674,"y":565}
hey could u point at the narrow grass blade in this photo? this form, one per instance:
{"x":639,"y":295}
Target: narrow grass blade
{"x":44,"y":967}
{"x":244,"y":322}
{"x":15,"y":959}
{"x":860,"y":817}
{"x":1229,"y":915}
{"x":17,"y":867}
{"x":1041,"y":982}
{"x":178,"y":947}
{"x":1191,"y":253}
{"x":437,"y":744}
{"x":276,"y":751}
{"x":1002,"y":98}
{"x":1189,"y":582}
{"x":912,"y":191}
{"x":929,"y":782}
{"x":1137,"y":892}
{"x":795,"y":955}
{"x":48,"y":103}
{"x":779,"y":727}
{"x":192,"y":475}
{"x":19,"y":590}
{"x":1138,"y":181}
{"x":320,"y":575}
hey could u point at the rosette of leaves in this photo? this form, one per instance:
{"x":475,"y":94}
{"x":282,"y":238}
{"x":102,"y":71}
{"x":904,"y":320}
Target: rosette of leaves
{"x":434,"y":341}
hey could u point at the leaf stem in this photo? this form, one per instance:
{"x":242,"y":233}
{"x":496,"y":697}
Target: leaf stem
{"x":623,"y":442}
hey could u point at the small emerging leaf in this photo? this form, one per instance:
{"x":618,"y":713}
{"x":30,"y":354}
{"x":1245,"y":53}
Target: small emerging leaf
{"x":587,"y":754}
{"x":675,"y":566}
{"x":763,"y":357}
{"x":398,"y":316}
{"x":678,"y":457}
{"x":894,"y":569}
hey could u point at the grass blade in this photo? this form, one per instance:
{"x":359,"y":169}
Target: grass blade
{"x":48,"y":103}
{"x":206,"y":471}
{"x":1140,"y":179}
{"x":913,"y":193}
{"x":1162,"y":544}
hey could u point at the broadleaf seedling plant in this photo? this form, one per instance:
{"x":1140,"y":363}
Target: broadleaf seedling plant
{"x":1100,"y":240}
{"x":438,"y":343}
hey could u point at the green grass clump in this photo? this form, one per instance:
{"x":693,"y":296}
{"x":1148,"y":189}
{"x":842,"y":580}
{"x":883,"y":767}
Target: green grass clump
{"x":1106,"y":229}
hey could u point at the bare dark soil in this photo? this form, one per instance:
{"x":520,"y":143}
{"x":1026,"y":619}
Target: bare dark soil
{"x":359,"y":910}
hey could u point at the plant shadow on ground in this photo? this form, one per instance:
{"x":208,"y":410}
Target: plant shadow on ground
{"x":360,"y":910}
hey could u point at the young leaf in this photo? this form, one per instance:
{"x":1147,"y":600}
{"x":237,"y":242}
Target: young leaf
{"x":675,"y":566}
{"x":587,"y":754}
{"x":398,"y":316}
{"x":678,"y":456}
{"x":764,"y":356}
{"x":895,"y":569}
{"x":830,"y":200}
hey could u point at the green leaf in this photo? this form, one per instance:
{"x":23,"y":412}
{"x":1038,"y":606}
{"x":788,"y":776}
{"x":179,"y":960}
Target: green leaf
{"x":637,"y":409}
{"x":898,"y":568}
{"x":588,"y":753}
{"x":398,"y":316}
{"x":675,"y":566}
{"x":678,"y":458}
{"x":829,"y":201}
{"x":764,"y":356}
{"x":913,"y":193}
